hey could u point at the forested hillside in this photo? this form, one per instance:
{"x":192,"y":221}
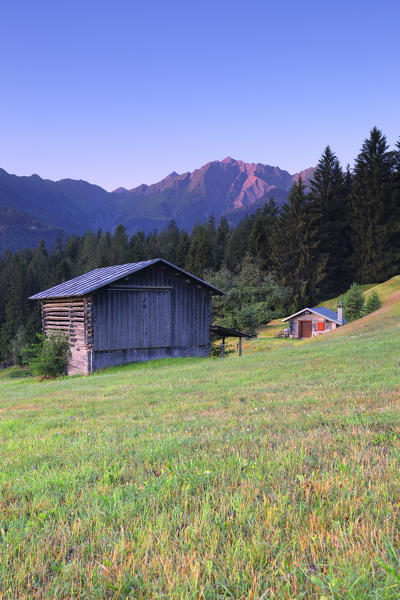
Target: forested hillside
{"x":345,"y":229}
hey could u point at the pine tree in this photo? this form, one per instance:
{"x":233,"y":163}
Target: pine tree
{"x":353,"y":302}
{"x":373,"y":303}
{"x":198,"y":258}
{"x":104,"y":251}
{"x":182,"y":249}
{"x":238,"y":244}
{"x":295,"y":252}
{"x":329,"y":206}
{"x":374,"y":203}
{"x":395,"y":232}
{"x":221,"y":240}
{"x":119,"y":246}
{"x":88,"y":253}
{"x":137,"y":247}
{"x":211,"y":231}
{"x":261,"y":233}
{"x":152,"y":248}
{"x":169,"y":241}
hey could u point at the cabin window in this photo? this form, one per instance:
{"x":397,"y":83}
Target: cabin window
{"x":327,"y":325}
{"x":320,"y":326}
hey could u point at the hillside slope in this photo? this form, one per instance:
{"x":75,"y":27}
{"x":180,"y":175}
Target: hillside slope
{"x":203,"y":478}
{"x":385,"y":290}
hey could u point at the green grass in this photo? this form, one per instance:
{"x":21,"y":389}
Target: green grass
{"x":385,"y":290}
{"x":274,"y":475}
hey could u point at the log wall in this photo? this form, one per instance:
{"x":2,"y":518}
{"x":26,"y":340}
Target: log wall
{"x":72,"y":317}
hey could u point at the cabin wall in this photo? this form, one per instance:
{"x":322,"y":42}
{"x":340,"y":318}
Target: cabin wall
{"x":295,"y":329}
{"x":154,"y":313}
{"x":71,"y":317}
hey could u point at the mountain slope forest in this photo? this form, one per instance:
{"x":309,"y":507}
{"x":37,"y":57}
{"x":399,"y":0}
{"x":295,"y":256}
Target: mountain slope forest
{"x":343,"y":228}
{"x":228,"y":187}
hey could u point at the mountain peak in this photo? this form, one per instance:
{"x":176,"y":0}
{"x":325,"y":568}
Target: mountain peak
{"x":221,"y":187}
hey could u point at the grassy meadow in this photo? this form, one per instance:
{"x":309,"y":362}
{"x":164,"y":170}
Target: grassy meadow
{"x":271,"y":476}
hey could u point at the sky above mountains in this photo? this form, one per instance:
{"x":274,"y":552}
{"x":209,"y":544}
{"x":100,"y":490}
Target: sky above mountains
{"x":123,"y":93}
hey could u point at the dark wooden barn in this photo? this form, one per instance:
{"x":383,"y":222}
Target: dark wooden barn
{"x":128,"y":313}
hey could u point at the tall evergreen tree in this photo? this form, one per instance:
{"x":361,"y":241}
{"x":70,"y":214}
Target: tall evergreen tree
{"x":329,"y":206}
{"x":221,"y":240}
{"x":261,"y":234}
{"x":119,"y":246}
{"x":137,"y":247}
{"x":374,"y":204}
{"x":104,"y":250}
{"x":182,"y":249}
{"x":295,"y":253}
{"x":168,"y":242}
{"x":200,"y":251}
{"x":238,"y":244}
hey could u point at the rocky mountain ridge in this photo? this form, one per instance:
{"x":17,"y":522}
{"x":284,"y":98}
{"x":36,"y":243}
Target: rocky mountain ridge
{"x":227,"y":187}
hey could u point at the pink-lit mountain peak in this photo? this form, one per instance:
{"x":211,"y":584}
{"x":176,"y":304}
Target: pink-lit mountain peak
{"x":220,"y":186}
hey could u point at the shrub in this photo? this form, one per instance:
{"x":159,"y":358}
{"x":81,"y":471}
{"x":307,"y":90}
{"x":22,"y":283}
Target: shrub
{"x":216,"y":350}
{"x":247,"y":319}
{"x":49,"y":356}
{"x":373,"y":303}
{"x":353,"y":303}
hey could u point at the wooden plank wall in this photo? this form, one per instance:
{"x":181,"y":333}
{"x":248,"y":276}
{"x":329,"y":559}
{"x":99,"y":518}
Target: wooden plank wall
{"x":171,"y":318}
{"x":73,"y":318}
{"x":133,"y":318}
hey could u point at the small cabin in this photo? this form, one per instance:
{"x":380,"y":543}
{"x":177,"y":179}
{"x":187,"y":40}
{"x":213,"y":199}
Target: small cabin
{"x":128,"y":313}
{"x":310,"y":322}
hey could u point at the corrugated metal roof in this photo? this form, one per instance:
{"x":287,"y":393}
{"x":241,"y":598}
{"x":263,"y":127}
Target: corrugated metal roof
{"x":98,"y":278}
{"x":323,"y":311}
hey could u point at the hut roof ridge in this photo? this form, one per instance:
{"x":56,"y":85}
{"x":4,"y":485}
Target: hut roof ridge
{"x":102,"y":276}
{"x":323,"y":311}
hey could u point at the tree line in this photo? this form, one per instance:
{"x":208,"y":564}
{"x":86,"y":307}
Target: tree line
{"x":342,"y":228}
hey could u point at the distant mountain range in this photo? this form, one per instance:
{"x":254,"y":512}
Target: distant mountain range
{"x":32,"y":208}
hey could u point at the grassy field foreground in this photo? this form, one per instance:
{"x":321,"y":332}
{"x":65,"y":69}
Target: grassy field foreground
{"x":274,"y":475}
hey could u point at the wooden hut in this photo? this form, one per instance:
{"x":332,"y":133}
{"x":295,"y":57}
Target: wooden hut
{"x":127,"y":313}
{"x":310,"y":322}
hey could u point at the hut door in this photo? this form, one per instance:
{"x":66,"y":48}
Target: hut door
{"x":155,"y":326}
{"x":305,"y":329}
{"x":133,"y":318}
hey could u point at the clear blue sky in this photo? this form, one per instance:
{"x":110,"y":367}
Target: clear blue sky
{"x":123,"y":92}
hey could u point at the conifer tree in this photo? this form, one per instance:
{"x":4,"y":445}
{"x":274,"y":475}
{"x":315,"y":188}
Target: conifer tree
{"x":119,"y":246}
{"x":238,"y":244}
{"x":198,"y":257}
{"x":104,"y":250}
{"x":260,"y":236}
{"x":329,"y":207}
{"x":182,"y":249}
{"x":137,"y":247}
{"x":374,"y":206}
{"x":295,"y":252}
{"x":354,"y":302}
{"x":373,"y":303}
{"x":169,"y":244}
{"x":221,"y":239}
